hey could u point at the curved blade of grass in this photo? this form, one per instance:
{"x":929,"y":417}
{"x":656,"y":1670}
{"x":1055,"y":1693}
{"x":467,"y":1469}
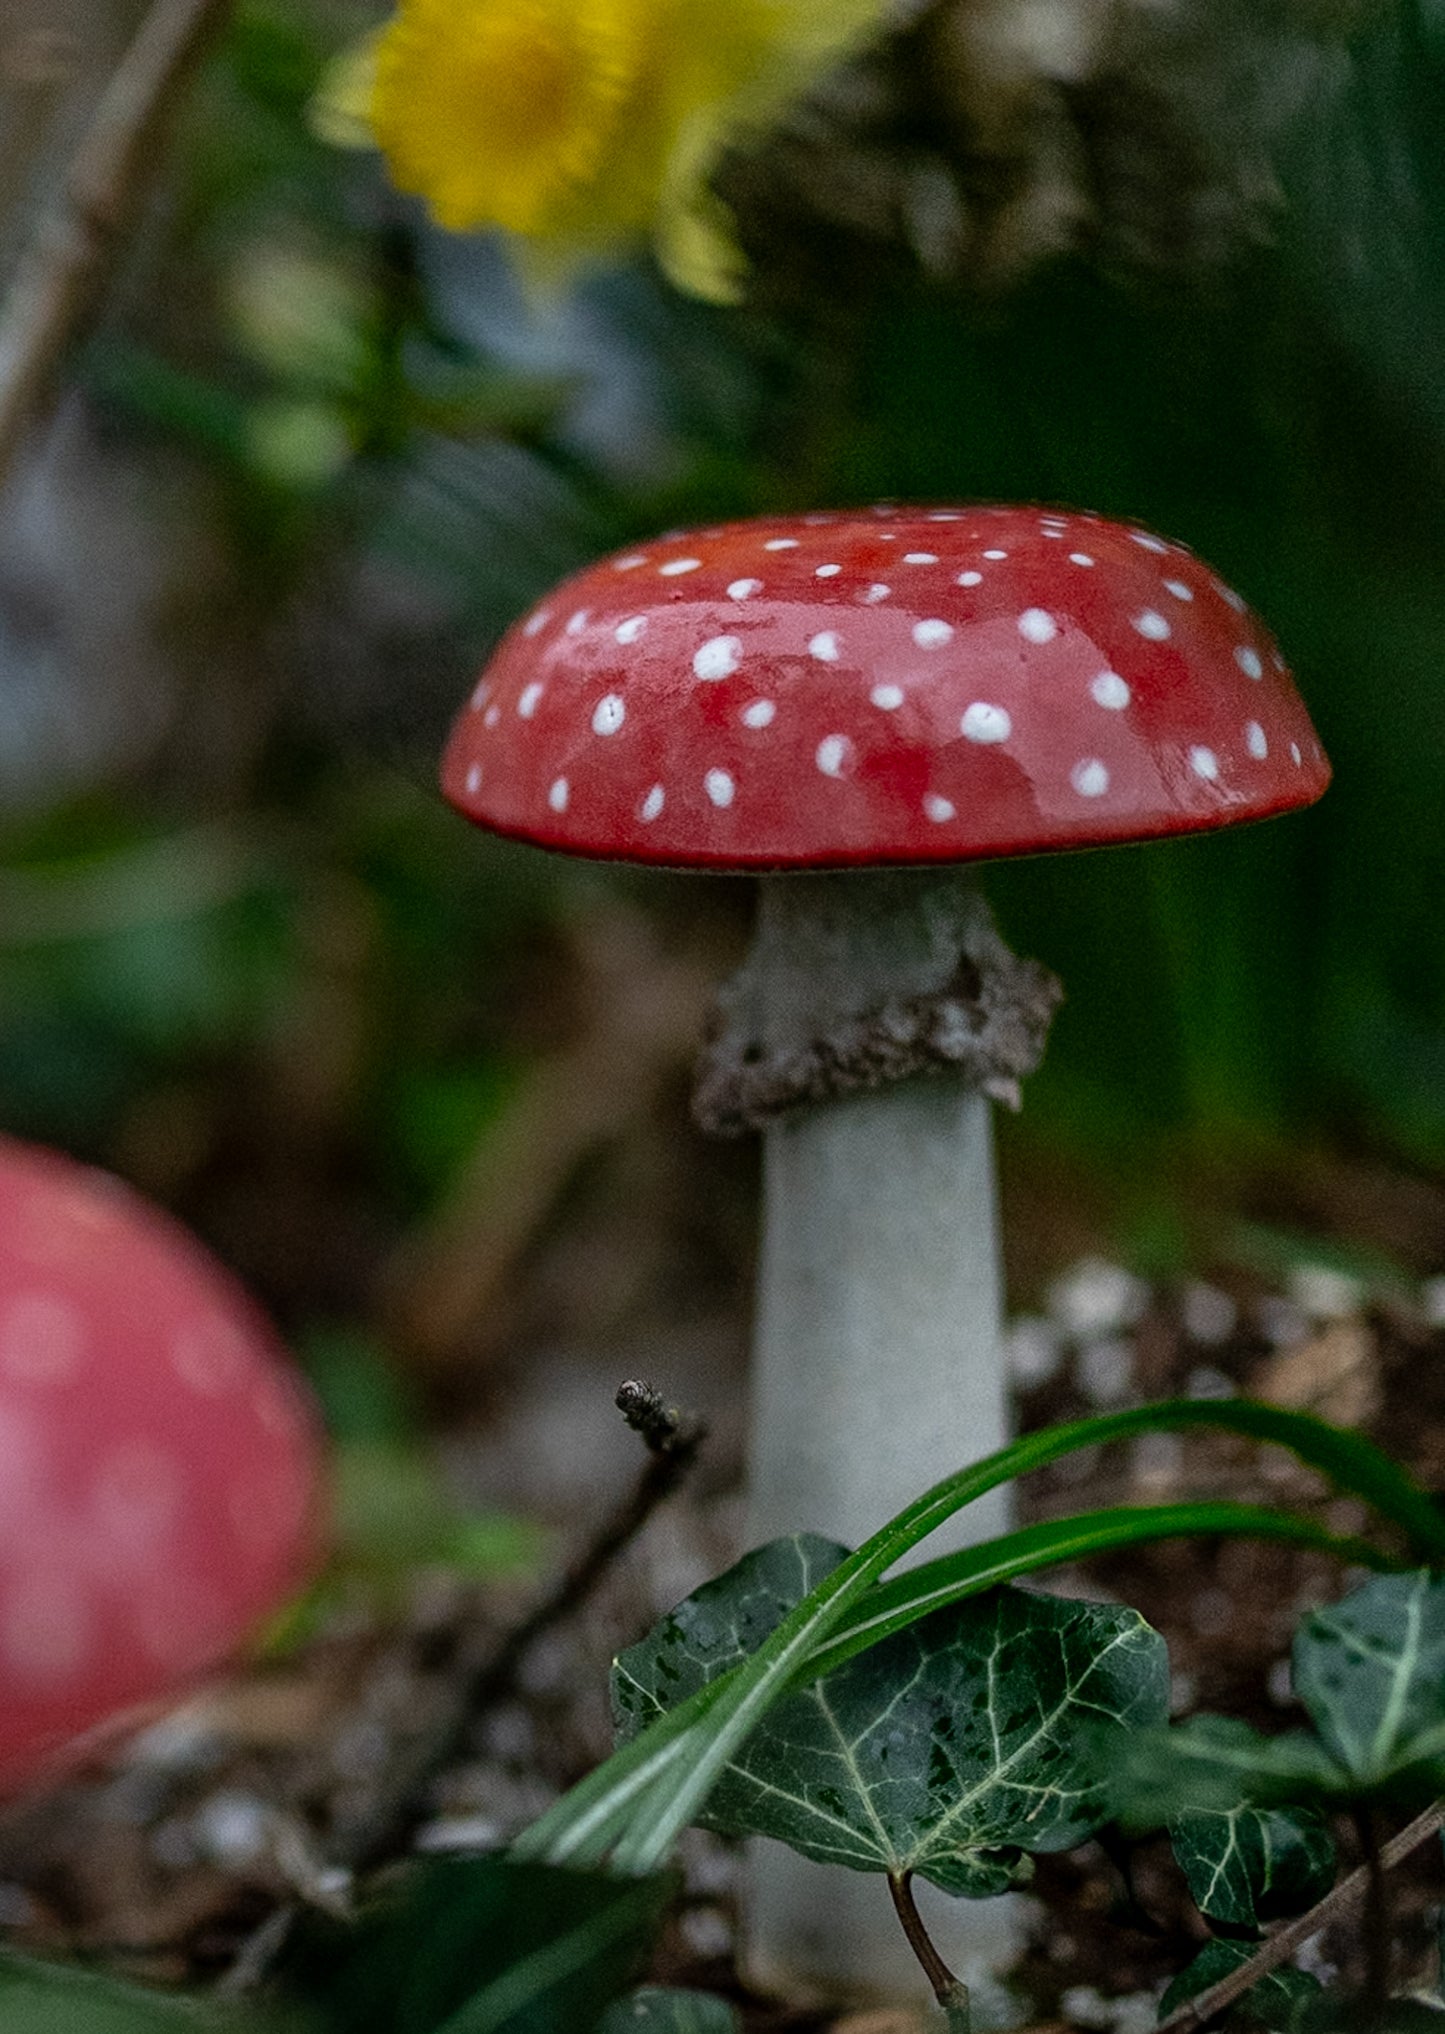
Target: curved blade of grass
{"x":889,"y":1606}
{"x":635,"y":1805}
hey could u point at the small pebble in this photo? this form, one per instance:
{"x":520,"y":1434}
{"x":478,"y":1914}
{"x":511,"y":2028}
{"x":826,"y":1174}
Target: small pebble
{"x":1281,"y":1321}
{"x":1280,"y":1683}
{"x":1209,"y":1316}
{"x":1324,"y":1293}
{"x":1105,"y":1370}
{"x":1094,"y":1297}
{"x":1033,"y":1351}
{"x":1204,"y":1381}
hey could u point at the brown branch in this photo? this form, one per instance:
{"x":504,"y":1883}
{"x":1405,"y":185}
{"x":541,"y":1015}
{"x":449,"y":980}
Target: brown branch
{"x":484,"y":1674}
{"x":63,"y":272}
{"x":951,"y":1995}
{"x":1198,"y":2011}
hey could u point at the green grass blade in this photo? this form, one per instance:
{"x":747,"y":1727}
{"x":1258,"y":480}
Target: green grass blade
{"x":889,"y":1606}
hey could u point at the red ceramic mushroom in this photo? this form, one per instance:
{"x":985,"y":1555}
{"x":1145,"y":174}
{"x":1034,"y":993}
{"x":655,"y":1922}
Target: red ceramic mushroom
{"x":883,"y":688}
{"x":158,"y":1460}
{"x":859,"y":706}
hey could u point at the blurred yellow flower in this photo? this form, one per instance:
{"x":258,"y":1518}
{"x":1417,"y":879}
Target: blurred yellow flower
{"x":579,"y":123}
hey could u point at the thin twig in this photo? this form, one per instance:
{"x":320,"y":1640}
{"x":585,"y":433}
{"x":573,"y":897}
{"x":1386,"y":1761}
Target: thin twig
{"x":1198,"y":2011}
{"x":483,"y":1677}
{"x":63,"y":272}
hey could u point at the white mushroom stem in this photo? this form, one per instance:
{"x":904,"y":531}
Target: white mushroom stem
{"x":878,"y":1366}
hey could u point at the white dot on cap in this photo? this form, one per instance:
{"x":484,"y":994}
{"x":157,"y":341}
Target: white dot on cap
{"x":718,"y":658}
{"x":492,"y":715}
{"x":44,"y":1629}
{"x":1152,"y":625}
{"x":137,"y":1494}
{"x":833,"y":753}
{"x":632,"y":630}
{"x":578,"y":622}
{"x":474,"y":780}
{"x":969,"y":579}
{"x":560,"y":792}
{"x":945,"y":516}
{"x":1148,"y":543}
{"x":826,"y":571}
{"x":995,"y":554}
{"x":825,"y":647}
{"x":719,"y":787}
{"x":1248,"y":662}
{"x":652,"y":804}
{"x":535,"y":623}
{"x":1037,"y":627}
{"x":480,"y":694}
{"x":781,"y":544}
{"x":873,"y":594}
{"x":1294,"y":754}
{"x":1179,"y":589}
{"x":920,"y":558}
{"x":531,"y":695}
{"x":744,"y":589}
{"x":888,"y":697}
{"x":983,"y":722}
{"x":42,"y":1338}
{"x":630,"y":563}
{"x":676,"y":566}
{"x":1049,"y":530}
{"x":761,"y":713}
{"x":1256,"y":740}
{"x":1080,"y":558}
{"x":1204,"y":763}
{"x":932,"y":635}
{"x":1090,"y":778}
{"x":210,"y":1356}
{"x":1227,"y":593}
{"x":608,"y":715}
{"x":937,"y":809}
{"x":1110,"y":690}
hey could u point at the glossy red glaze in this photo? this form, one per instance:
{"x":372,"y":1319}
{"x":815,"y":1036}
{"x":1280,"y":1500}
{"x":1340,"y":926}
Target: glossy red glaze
{"x":159,"y":1460}
{"x":889,"y":686}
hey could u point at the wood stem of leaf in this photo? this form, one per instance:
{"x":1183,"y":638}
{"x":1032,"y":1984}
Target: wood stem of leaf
{"x":63,"y":272}
{"x":1377,"y":1908}
{"x":950,"y":1994}
{"x":1207,"y":2006}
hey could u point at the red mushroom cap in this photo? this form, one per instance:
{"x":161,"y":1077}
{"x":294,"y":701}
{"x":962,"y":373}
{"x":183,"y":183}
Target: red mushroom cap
{"x":158,"y":1459}
{"x":895,"y":686}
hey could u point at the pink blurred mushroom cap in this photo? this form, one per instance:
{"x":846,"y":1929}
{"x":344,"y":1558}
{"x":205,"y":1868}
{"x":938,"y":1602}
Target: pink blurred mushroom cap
{"x":159,"y":1460}
{"x":894,"y":686}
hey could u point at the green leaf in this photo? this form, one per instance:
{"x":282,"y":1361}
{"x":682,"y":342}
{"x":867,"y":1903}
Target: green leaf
{"x":486,"y":1946}
{"x":946,"y":1750}
{"x":1371,"y":1672}
{"x":1211,"y":1764}
{"x":46,"y":1998}
{"x":653,"y":2011}
{"x":633,"y":1807}
{"x":1277,"y":2001}
{"x":1246,"y":1866}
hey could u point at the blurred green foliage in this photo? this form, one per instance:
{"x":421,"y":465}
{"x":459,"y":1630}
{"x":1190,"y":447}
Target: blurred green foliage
{"x":384,"y":408}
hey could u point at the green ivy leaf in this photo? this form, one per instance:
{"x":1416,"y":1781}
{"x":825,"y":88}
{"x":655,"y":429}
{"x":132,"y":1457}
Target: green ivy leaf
{"x":1370,"y":1670}
{"x":1246,"y":1866}
{"x":946,"y":1750}
{"x":1211,"y":1764}
{"x":1279,"y":2001}
{"x":485,"y":1946}
{"x":653,"y":2011}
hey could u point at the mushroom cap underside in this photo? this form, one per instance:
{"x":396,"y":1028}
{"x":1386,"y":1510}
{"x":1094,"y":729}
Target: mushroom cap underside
{"x":894,"y":686}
